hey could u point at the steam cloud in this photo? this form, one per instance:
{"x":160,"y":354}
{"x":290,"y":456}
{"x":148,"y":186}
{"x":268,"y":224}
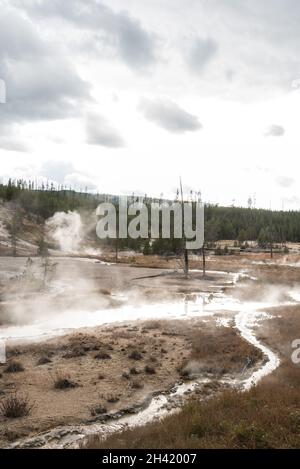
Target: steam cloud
{"x":66,"y":229}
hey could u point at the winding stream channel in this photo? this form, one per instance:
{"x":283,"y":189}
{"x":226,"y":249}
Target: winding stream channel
{"x":244,"y":314}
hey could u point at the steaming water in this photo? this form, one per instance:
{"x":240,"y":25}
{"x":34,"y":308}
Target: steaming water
{"x":283,"y":263}
{"x":246,"y":315}
{"x":295,"y":296}
{"x":66,"y":229}
{"x":59,"y":324}
{"x":243,"y":322}
{"x":183,"y":307}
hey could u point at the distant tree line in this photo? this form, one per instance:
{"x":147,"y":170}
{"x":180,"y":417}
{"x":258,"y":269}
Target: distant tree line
{"x":234,"y":223}
{"x":249,"y":224}
{"x":43,"y":201}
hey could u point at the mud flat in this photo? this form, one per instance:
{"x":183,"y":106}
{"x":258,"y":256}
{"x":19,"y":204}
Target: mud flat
{"x":114,"y":371}
{"x":108,"y":369}
{"x":124,"y":340}
{"x":263,"y":417}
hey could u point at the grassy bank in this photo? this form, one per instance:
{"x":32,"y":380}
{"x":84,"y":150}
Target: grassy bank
{"x":267,"y":416}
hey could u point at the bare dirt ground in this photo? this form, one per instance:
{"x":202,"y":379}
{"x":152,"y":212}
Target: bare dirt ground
{"x":109,"y":368}
{"x":103,"y":375}
{"x":265,"y":417}
{"x":113,"y":369}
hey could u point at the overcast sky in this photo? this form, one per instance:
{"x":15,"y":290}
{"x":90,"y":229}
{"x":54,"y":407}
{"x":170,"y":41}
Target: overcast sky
{"x":126,"y":95}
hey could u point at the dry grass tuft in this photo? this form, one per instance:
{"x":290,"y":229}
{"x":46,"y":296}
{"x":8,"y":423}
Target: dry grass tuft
{"x":43,"y":361}
{"x":15,"y":406}
{"x":137,"y":384}
{"x":98,"y":409}
{"x":62,"y":381}
{"x":14,"y":367}
{"x":102,"y":356}
{"x":135,"y":355}
{"x":150,"y":370}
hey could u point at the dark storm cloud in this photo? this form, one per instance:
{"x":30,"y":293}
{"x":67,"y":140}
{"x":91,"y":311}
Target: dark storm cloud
{"x":100,"y":132}
{"x":275,"y":131}
{"x":134,"y":45}
{"x":201,"y":53}
{"x":169,"y":116}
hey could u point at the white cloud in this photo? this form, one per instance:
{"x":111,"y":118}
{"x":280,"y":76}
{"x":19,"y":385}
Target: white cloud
{"x":285,"y":181}
{"x":56,"y":170}
{"x":100,"y":132}
{"x":41,"y":82}
{"x":169,"y":116}
{"x":80,"y":182}
{"x":275,"y":131}
{"x":201,"y":53}
{"x":227,"y":65}
{"x":125,"y":34}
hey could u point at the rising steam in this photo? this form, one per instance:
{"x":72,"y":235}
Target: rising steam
{"x":67,"y":230}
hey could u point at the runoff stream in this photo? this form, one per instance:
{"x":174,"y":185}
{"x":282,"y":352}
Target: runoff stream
{"x":244,"y":314}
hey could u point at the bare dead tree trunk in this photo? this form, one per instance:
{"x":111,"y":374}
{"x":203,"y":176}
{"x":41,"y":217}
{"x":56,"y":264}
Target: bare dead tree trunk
{"x":203,"y":261}
{"x":271,"y":249}
{"x":271,"y":242}
{"x":117,"y":249}
{"x":186,"y":253}
{"x":117,"y":238}
{"x":186,"y":262}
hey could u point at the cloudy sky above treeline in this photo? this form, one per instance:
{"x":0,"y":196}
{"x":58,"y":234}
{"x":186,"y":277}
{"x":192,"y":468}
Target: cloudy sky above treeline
{"x":125,"y":96}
